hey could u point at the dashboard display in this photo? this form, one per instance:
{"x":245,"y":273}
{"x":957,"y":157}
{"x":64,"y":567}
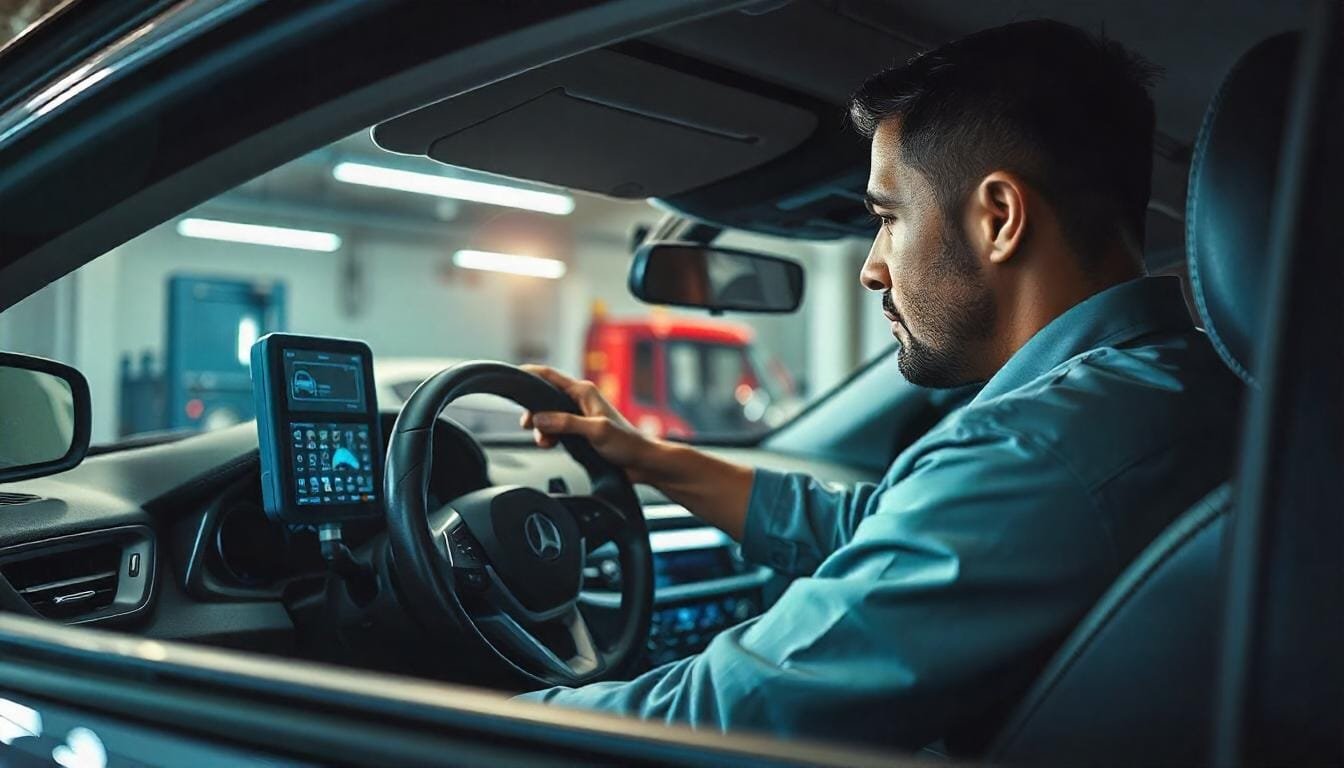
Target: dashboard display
{"x":690,"y":566}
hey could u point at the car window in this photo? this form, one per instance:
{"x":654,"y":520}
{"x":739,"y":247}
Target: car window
{"x":718,"y":392}
{"x":684,"y":375}
{"x":644,"y":374}
{"x":432,"y":265}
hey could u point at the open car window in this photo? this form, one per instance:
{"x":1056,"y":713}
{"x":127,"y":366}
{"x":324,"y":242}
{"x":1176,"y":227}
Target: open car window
{"x":431,"y":265}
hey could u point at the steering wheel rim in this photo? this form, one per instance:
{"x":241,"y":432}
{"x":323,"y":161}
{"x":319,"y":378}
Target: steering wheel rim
{"x":463,"y":567}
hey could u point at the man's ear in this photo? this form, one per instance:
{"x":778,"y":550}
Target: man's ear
{"x":998,"y":212}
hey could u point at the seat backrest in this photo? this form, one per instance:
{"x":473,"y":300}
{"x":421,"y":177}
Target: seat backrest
{"x":1133,"y":685}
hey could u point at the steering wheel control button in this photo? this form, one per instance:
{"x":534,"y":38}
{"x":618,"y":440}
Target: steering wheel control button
{"x":611,"y":572}
{"x":599,"y":520}
{"x":465,"y":549}
{"x":530,"y":539}
{"x":473,"y":579}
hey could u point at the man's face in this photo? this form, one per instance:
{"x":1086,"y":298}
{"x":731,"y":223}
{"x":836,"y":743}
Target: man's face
{"x":933,"y":287}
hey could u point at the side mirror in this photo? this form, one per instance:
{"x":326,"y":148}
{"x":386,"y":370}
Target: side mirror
{"x":717,"y":279}
{"x":44,"y":417}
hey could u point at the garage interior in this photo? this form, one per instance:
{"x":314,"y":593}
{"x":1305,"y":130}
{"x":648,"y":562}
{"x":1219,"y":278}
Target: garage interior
{"x":706,"y":119}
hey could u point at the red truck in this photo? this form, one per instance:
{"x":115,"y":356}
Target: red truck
{"x":678,"y":376}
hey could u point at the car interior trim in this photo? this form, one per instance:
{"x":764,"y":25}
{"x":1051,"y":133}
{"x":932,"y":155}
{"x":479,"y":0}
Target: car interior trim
{"x":136,"y":573}
{"x":446,"y":705}
{"x":1281,"y":624}
{"x":172,"y":27}
{"x":728,"y":585}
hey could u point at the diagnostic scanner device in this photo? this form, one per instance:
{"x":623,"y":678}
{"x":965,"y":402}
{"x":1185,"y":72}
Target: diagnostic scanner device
{"x":318,"y":429}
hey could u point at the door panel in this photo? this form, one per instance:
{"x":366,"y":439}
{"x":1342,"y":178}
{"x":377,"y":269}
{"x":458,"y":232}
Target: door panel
{"x":134,"y":694}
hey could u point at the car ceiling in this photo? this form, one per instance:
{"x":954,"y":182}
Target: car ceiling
{"x":738,"y":119}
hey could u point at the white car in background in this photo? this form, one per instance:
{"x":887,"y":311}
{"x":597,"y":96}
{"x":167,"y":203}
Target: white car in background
{"x":395,"y":378}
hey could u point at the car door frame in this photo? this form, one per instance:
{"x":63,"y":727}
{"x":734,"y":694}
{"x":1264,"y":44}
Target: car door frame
{"x":1280,"y":687}
{"x":207,"y":94}
{"x":308,"y":711}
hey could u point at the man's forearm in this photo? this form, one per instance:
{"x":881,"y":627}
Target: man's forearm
{"x":714,"y":490}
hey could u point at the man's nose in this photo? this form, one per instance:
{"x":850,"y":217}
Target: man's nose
{"x":874,"y":274}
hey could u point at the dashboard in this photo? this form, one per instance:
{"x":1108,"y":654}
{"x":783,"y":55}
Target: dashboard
{"x":184,"y":550}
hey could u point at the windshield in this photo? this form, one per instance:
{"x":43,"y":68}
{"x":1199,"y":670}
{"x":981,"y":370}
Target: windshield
{"x":432,"y":265}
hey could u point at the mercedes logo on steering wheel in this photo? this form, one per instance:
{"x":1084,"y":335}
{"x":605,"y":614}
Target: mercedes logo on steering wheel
{"x":542,"y":536}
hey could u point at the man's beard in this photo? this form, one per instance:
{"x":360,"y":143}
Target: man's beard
{"x":951,"y":324}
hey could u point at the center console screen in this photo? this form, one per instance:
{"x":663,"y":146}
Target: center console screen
{"x":318,"y":430}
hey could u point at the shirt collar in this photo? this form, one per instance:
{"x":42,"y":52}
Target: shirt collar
{"x":1109,"y":318}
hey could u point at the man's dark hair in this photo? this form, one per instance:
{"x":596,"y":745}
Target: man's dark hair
{"x":1067,"y":111}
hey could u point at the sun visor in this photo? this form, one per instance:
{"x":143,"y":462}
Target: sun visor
{"x":604,"y":122}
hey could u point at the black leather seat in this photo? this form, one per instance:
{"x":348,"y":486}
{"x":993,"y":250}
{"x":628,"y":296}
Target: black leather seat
{"x":1134,"y":683}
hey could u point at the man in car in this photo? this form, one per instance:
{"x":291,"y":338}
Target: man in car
{"x":1010,"y":173}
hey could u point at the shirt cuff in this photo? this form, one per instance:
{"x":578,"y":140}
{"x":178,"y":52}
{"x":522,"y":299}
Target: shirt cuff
{"x":760,"y":537}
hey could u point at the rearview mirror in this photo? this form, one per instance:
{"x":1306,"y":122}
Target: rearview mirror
{"x":717,"y":279}
{"x":44,"y":417}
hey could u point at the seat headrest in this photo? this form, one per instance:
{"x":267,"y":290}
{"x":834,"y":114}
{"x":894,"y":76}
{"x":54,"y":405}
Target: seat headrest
{"x":1227,"y":213}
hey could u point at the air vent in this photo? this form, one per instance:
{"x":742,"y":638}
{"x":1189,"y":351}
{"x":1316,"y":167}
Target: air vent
{"x":7,"y":499}
{"x":69,"y":583}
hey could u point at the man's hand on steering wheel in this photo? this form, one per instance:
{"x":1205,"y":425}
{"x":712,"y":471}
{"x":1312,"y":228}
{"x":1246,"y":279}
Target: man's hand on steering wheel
{"x":715,"y":490}
{"x":610,"y":433}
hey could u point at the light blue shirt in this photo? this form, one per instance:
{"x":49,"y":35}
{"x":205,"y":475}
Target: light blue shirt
{"x":927,"y":603}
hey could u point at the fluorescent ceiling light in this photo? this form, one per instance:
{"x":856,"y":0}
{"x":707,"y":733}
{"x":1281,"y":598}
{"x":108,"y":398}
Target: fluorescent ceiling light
{"x":511,"y":263}
{"x":256,"y":234}
{"x":555,"y":203}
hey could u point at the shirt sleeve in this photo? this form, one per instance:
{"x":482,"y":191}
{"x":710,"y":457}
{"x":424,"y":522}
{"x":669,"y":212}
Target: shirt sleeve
{"x":795,"y":521}
{"x":938,"y":608}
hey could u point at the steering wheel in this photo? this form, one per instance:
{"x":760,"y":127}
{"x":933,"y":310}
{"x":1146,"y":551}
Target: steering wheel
{"x":506,"y":562}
